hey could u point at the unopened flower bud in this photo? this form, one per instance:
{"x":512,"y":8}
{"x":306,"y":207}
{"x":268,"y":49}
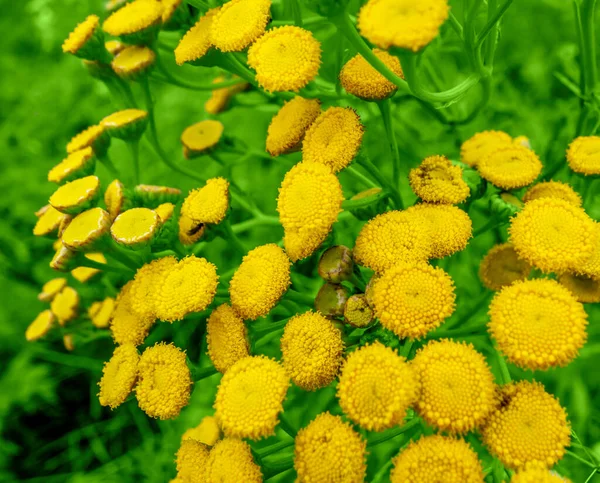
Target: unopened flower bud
{"x":336,"y":264}
{"x":331,"y":299}
{"x":357,"y":311}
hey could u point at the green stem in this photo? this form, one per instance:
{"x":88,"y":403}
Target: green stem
{"x":456,"y":26}
{"x":124,"y":86}
{"x":127,"y":259}
{"x":202,"y":373}
{"x":382,"y":438}
{"x":134,"y":148}
{"x":589,"y":45}
{"x":286,"y":426}
{"x":405,"y":351}
{"x":492,"y":22}
{"x":86,"y":262}
{"x":374,"y":171}
{"x":589,"y":478}
{"x":227,"y":234}
{"x":255,"y":222}
{"x":386,"y":115}
{"x":267,"y":327}
{"x":579,"y":458}
{"x":488,"y":226}
{"x":353,"y":171}
{"x":364,"y":202}
{"x":503,"y":368}
{"x":274,"y":448}
{"x":196,"y":87}
{"x":300,"y":298}
{"x":106,"y":161}
{"x":296,"y":13}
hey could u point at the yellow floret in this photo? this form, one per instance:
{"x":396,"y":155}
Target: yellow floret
{"x":65,"y":305}
{"x":226,"y":337}
{"x":552,"y":189}
{"x":77,"y":163}
{"x":51,"y":288}
{"x":477,"y":147}
{"x":126,"y":325}
{"x":135,"y":227}
{"x":40,"y":326}
{"x":114,"y":197}
{"x":147,"y":285}
{"x":288,"y":127}
{"x":191,"y":461}
{"x":49,"y":222}
{"x":134,"y":17}
{"x":201,"y":137}
{"x":501,"y":266}
{"x":509,"y":167}
{"x":538,"y":475}
{"x":133,"y":60}
{"x":100,"y":312}
{"x":231,"y":461}
{"x":119,"y":376}
{"x":583,"y":155}
{"x":585,"y":289}
{"x":208,"y":204}
{"x":85,"y":138}
{"x":86,"y":228}
{"x":436,"y":180}
{"x":207,"y":432}
{"x":74,"y":197}
{"x":81,"y":34}
{"x":239,"y":23}
{"x":196,"y":42}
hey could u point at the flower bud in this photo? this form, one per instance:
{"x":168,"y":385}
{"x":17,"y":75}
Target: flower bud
{"x":357,"y":312}
{"x":128,"y":124}
{"x":201,"y":137}
{"x":40,"y":326}
{"x":87,"y":41}
{"x":87,"y":230}
{"x":64,"y":259}
{"x":152,"y":196}
{"x":51,"y":288}
{"x":336,"y":264}
{"x":135,"y":228}
{"x":77,"y":196}
{"x":331,"y":299}
{"x":134,"y":62}
{"x":76,"y":165}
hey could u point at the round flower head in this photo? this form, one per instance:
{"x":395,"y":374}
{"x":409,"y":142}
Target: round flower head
{"x":331,"y":299}
{"x":114,"y":198}
{"x":196,"y":42}
{"x":86,"y":41}
{"x":189,"y":287}
{"x":288,"y":127}
{"x":501,"y":266}
{"x":538,"y":475}
{"x":51,"y":288}
{"x":312,"y":350}
{"x":412,"y":300}
{"x":135,"y":227}
{"x":250,"y":397}
{"x":191,"y":461}
{"x":510,"y":167}
{"x":376,"y":387}
{"x":362,"y":80}
{"x":239,"y":23}
{"x":76,"y":196}
{"x":553,"y":189}
{"x":93,"y":136}
{"x":133,"y":62}
{"x":48,"y":222}
{"x":591,"y":267}
{"x":457,"y":386}
{"x":114,"y":46}
{"x":391,"y":238}
{"x":164,"y":381}
{"x":583,"y":155}
{"x":83,"y":274}
{"x":336,"y":264}
{"x":260,"y":281}
{"x":199,"y":138}
{"x":437,"y":458}
{"x":585,"y":289}
{"x":189,"y":231}
{"x":40,"y":326}
{"x":227,"y":338}
{"x":136,"y":22}
{"x":436,"y":180}
{"x":207,"y":432}
{"x":357,"y":311}
{"x":553,"y":235}
{"x":333,"y":139}
{"x":128,"y":326}
{"x":65,"y":305}
{"x":538,"y":324}
{"x":285,"y":58}
{"x":100,"y":312}
{"x":127,"y":124}
{"x":309,"y":201}
{"x":231,"y":461}
{"x":147,"y":285}
{"x":86,"y":228}
{"x":402,"y":23}
{"x":220,"y":97}
{"x":481,"y":144}
{"x":76,"y":165}
{"x":529,"y":427}
{"x":208,"y":204}
{"x":329,"y":450}
{"x":118,"y":376}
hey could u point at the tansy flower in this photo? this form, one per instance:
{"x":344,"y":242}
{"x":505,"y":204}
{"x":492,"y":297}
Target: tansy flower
{"x":328,"y":449}
{"x":100,"y":312}
{"x":285,"y":58}
{"x":127,"y":326}
{"x":260,"y":281}
{"x":93,"y":136}
{"x":510,"y":167}
{"x":86,"y":228}
{"x":220,"y":97}
{"x":376,"y":387}
{"x":165,"y":212}
{"x":76,"y":196}
{"x":114,"y":46}
{"x":152,"y":195}
{"x":239,"y":23}
{"x":208,"y":204}
{"x":436,"y":180}
{"x":189,"y":231}
{"x":64,"y":259}
{"x":591,"y":267}
{"x":51,"y":288}
{"x":85,"y":42}
{"x":312,"y":350}
{"x":528,"y":428}
{"x":336,"y":264}
{"x":538,"y":324}
{"x":135,"y":227}
{"x":65,"y":305}
{"x":585,"y":289}
{"x":553,"y":189}
{"x":231,"y":461}
{"x":583,"y":155}
{"x":402,"y":23}
{"x":48,"y":222}
{"x":207,"y":432}
{"x":310,"y":198}
{"x":250,"y":397}
{"x":477,"y":147}
{"x":437,"y":458}
{"x":147,"y":285}
{"x":288,"y":127}
{"x":538,"y":475}
{"x":331,"y":299}
{"x":69,"y":342}
{"x":457,"y":386}
{"x":118,"y":376}
{"x":227,"y":338}
{"x":40,"y":326}
{"x":168,"y":16}
{"x":196,"y":41}
{"x":412,"y":300}
{"x":128,"y":123}
{"x":114,"y":198}
{"x":501,"y":266}
{"x":133,"y":62}
{"x":198,"y":138}
{"x":135,"y":22}
{"x":164,"y":381}
{"x":553,"y":235}
{"x":362,"y":80}
{"x":76,"y":165}
{"x":191,"y":461}
{"x":333,"y":139}
{"x":357,"y":311}
{"x":83,"y":274}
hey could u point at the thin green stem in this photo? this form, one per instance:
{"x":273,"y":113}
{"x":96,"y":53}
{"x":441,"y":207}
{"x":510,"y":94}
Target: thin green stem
{"x":353,"y":171}
{"x":493,"y":223}
{"x":456,"y":26}
{"x":86,"y":262}
{"x":134,"y":148}
{"x":296,"y":13}
{"x":364,"y":202}
{"x":255,"y":222}
{"x":589,"y":478}
{"x":227,"y":234}
{"x":382,"y":180}
{"x":579,"y":458}
{"x":392,"y":433}
{"x":505,"y":374}
{"x":107,"y":161}
{"x":492,"y":22}
{"x":405,"y":351}
{"x":202,"y":373}
{"x":196,"y":87}
{"x":274,"y":448}
{"x":386,"y":115}
{"x":124,"y":86}
{"x":286,"y":426}
{"x":300,"y":298}
{"x":589,"y":45}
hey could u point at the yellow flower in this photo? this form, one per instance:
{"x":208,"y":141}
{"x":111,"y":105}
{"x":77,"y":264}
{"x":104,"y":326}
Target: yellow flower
{"x":119,"y":376}
{"x":65,"y":305}
{"x":309,"y":201}
{"x":260,"y":281}
{"x":83,"y":274}
{"x":77,"y":164}
{"x":164,"y":381}
{"x":196,"y":42}
{"x":538,"y":475}
{"x":40,"y":326}
{"x":126,"y":325}
{"x":357,"y":311}
{"x":227,"y":338}
{"x":436,"y":180}
{"x":501,"y":266}
{"x":90,"y":137}
{"x":114,"y":198}
{"x":529,"y":427}
{"x":48,"y":222}
{"x":81,"y":35}
{"x":51,"y":288}
{"x":585,"y":289}
{"x":553,"y":189}
{"x":199,"y":138}
{"x":128,"y":123}
{"x":402,"y":23}
{"x":191,"y":461}
{"x":231,"y":461}
{"x":412,"y":300}
{"x":288,"y":127}
{"x":457,"y":386}
{"x":369,"y":391}
{"x":509,"y":167}
{"x":583,"y":155}
{"x":207,"y":432}
{"x":285,"y":58}
{"x":329,"y":450}
{"x":135,"y":227}
{"x":208,"y":204}
{"x":239,"y":23}
{"x":133,"y":61}
{"x":139,"y":17}
{"x":148,"y":194}
{"x":538,"y":324}
{"x":114,"y":46}
{"x":220,"y":97}
{"x":168,"y":16}
{"x":76,"y":196}
{"x":553,"y":235}
{"x":100,"y":312}
{"x":69,"y":342}
{"x":480,"y":145}
{"x":312,"y":350}
{"x":250,"y":397}
{"x":64,"y":259}
{"x":86,"y":228}
{"x":147,"y":284}
{"x":189,"y":231}
{"x":165,"y":212}
{"x":591,"y":267}
{"x":437,"y":458}
{"x":333,"y":139}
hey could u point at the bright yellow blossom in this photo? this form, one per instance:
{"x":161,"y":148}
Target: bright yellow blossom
{"x":362,"y":80}
{"x":76,"y":196}
{"x":583,"y":155}
{"x":585,"y":289}
{"x":538,"y":475}
{"x":552,"y":189}
{"x":134,"y":18}
{"x":119,"y":376}
{"x":477,"y":147}
{"x":220,"y":97}
{"x":196,"y":42}
{"x":83,"y":274}
{"x":76,"y":165}
{"x":501,"y":266}
{"x":239,"y":23}
{"x":357,"y":311}
{"x":288,"y":127}
{"x":133,"y":61}
{"x":191,"y":461}
{"x":48,"y":222}
{"x":86,"y":228}
{"x":226,"y":337}
{"x":591,"y":267}
{"x":208,"y":204}
{"x":199,"y":138}
{"x":87,"y":138}
{"x":65,"y":305}
{"x":147,"y":285}
{"x":114,"y":198}
{"x":135,"y":227}
{"x":80,"y":35}
{"x":510,"y":166}
{"x":51,"y":288}
{"x":100,"y":312}
{"x":40,"y":326}
{"x":207,"y":432}
{"x":127,"y":326}
{"x":436,"y":180}
{"x":231,"y":461}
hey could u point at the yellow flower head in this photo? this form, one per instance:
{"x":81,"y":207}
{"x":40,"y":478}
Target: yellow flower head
{"x":51,"y":288}
{"x":553,"y":189}
{"x":328,"y":449}
{"x":402,"y":23}
{"x":165,"y":212}
{"x":147,"y":285}
{"x":48,"y":222}
{"x":370,"y":392}
{"x":285,"y":58}
{"x":436,"y":180}
{"x":191,"y":461}
{"x":220,"y":97}
{"x":64,"y":258}
{"x":127,"y":326}
{"x":239,"y":23}
{"x":136,"y":17}
{"x":591,"y":267}
{"x":199,"y":138}
{"x":333,"y":139}
{"x":412,"y":300}
{"x":309,"y":201}
{"x":119,"y":376}
{"x":392,"y":238}
{"x":477,"y":147}
{"x":100,"y":312}
{"x":231,"y":461}
{"x":457,"y":386}
{"x":80,"y":35}
{"x":189,"y":231}
{"x":362,"y":80}
{"x":86,"y":228}
{"x":65,"y":305}
{"x":208,"y":204}
{"x":250,"y":397}
{"x":585,"y":289}
{"x":312,"y":350}
{"x":164,"y":381}
{"x":83,"y":274}
{"x":538,"y":475}
{"x":501,"y":266}
{"x":227,"y":338}
{"x":75,"y":165}
{"x":196,"y":42}
{"x":509,"y":167}
{"x":583,"y":155}
{"x":207,"y":432}
{"x":114,"y":46}
{"x":189,"y":287}
{"x":288,"y":127}
{"x":357,"y":311}
{"x":135,"y":227}
{"x":538,"y":324}
{"x":260,"y":281}
{"x":76,"y":196}
{"x":553,"y":235}
{"x":40,"y":326}
{"x":90,"y":137}
{"x":529,"y":427}
{"x":437,"y":458}
{"x":126,"y":124}
{"x":133,"y":61}
{"x":114,"y":197}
